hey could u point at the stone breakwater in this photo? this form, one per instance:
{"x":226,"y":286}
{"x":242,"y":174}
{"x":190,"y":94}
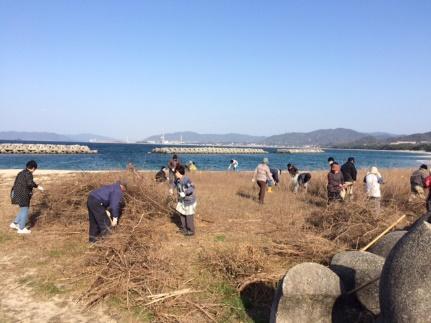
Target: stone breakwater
{"x":44,"y":149}
{"x":299,"y":150}
{"x":208,"y":150}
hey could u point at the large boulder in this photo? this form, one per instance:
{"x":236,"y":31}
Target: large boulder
{"x":306,"y":295}
{"x":356,"y":268}
{"x":405,"y":285}
{"x":385,"y":245}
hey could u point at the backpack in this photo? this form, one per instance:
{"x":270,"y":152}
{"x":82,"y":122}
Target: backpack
{"x":427,"y":182}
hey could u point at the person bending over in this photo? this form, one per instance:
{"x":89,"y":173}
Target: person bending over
{"x":101,"y":203}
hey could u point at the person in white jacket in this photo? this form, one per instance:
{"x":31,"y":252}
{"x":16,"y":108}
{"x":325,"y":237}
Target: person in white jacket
{"x":373,"y":180}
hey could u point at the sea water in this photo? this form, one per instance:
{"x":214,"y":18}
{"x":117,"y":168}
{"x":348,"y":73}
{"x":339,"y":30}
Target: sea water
{"x":117,"y":156}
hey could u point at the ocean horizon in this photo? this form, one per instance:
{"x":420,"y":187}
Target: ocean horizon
{"x":115,"y":156}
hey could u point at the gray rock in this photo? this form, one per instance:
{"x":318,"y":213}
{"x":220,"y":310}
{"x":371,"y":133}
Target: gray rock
{"x":347,"y":308}
{"x":405,"y":286}
{"x":385,"y":245}
{"x":306,"y":295}
{"x":356,"y":268}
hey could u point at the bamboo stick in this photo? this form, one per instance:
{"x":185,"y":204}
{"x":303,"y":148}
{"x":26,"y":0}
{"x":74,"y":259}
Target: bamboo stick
{"x":383,"y":233}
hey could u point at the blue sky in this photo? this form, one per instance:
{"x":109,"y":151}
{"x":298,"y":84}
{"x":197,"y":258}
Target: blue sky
{"x":137,"y":68}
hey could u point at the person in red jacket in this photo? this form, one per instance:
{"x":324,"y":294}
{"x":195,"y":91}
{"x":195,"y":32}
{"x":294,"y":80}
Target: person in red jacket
{"x":427,"y":184}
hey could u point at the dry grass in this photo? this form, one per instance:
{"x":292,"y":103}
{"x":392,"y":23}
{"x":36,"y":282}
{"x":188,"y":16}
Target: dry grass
{"x":240,"y":251}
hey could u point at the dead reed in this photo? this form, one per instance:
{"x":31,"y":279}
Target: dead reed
{"x":145,"y":264}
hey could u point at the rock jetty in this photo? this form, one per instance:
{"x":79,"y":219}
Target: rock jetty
{"x":44,"y":149}
{"x":208,"y":150}
{"x":299,"y":150}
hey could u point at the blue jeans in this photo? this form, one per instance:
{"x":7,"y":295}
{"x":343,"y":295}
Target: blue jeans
{"x":22,"y":217}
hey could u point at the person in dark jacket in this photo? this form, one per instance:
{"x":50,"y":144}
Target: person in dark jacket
{"x":162,"y":175}
{"x":335,"y":183}
{"x":173,"y":164}
{"x":275,"y":172}
{"x":101,"y":203}
{"x":186,"y":206}
{"x":427,"y":184}
{"x":349,"y":174}
{"x":417,"y":182}
{"x":21,"y":194}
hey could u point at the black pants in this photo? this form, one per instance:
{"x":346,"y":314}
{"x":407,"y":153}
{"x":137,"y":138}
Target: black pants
{"x":334,"y":197}
{"x":99,"y":222}
{"x":188,"y":223}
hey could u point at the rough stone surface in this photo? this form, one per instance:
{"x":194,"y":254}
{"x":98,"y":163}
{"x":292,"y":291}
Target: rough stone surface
{"x":357,"y":268}
{"x":385,"y":245}
{"x":306,"y":295}
{"x":405,"y":286}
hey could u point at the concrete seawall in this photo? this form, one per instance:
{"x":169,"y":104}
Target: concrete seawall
{"x":207,"y":150}
{"x":299,"y":150}
{"x":44,"y":149}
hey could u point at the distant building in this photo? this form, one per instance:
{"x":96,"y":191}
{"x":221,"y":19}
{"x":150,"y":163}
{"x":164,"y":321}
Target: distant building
{"x":403,"y":143}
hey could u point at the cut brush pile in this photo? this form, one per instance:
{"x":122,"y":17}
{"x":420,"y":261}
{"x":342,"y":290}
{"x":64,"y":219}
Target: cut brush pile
{"x":228,"y":271}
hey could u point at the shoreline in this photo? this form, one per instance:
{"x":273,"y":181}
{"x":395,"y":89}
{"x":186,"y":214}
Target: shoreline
{"x":43,"y":172}
{"x":384,"y":150}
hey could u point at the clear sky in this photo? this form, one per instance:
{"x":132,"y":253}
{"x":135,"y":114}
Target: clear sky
{"x":137,"y":68}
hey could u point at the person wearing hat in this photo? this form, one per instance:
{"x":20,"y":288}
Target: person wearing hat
{"x":373,"y":180}
{"x":101,"y":203}
{"x":350,"y":174}
{"x":417,"y":182}
{"x":262,"y":175}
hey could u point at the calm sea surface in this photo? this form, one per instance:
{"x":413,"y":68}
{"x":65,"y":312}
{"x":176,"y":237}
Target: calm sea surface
{"x":116,"y":156}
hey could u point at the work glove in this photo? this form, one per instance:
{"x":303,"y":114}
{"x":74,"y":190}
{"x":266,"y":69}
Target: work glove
{"x":182,"y":194}
{"x":40,"y":188}
{"x":114,"y":222}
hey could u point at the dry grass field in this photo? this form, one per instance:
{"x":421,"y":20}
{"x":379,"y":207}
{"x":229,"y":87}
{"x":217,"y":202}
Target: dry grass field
{"x":146,"y":271}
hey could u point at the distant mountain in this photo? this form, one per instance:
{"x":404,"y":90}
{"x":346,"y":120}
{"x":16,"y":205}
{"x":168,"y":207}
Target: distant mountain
{"x":189,"y":137}
{"x":88,"y":137}
{"x":382,"y":135}
{"x":50,"y":136}
{"x":384,"y":140}
{"x":417,"y":137}
{"x":323,"y":137}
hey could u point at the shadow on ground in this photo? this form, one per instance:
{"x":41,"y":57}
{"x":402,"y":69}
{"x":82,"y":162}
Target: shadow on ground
{"x":257,"y":299}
